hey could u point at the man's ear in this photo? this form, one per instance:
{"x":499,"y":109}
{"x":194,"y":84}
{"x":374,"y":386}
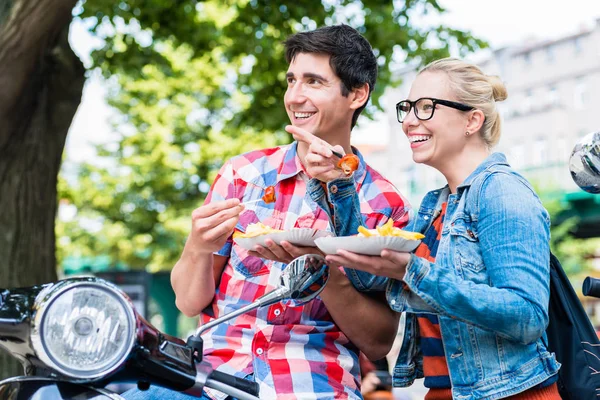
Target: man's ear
{"x":475,"y":121}
{"x":359,"y":96}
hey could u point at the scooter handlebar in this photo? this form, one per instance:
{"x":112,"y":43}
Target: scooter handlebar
{"x":591,"y":287}
{"x":232,"y":385}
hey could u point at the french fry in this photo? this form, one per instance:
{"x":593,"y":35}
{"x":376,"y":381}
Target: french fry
{"x":365,"y":232}
{"x":253,"y":230}
{"x":388,"y":229}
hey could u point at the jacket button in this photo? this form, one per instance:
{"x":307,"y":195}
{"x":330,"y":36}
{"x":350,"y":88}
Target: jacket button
{"x":471,"y":234}
{"x":333,"y":189}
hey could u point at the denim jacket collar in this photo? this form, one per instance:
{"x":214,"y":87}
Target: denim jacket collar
{"x":431,"y":205}
{"x":490,"y":161}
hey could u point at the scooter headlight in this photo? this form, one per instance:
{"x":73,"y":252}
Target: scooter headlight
{"x":83,"y":329}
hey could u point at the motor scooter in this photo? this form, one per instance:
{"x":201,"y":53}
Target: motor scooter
{"x":76,"y":336}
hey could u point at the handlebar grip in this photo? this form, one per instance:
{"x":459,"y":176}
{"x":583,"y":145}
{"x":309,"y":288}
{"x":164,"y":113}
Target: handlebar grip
{"x":233,"y":381}
{"x":591,"y":287}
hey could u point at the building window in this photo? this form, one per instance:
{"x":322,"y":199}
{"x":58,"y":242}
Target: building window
{"x":553,"y":96}
{"x":580,"y":93}
{"x":577,"y":44}
{"x":550,"y":54}
{"x":527,"y":102}
{"x":539,"y":152}
{"x":562,"y":149}
{"x":517,"y":156}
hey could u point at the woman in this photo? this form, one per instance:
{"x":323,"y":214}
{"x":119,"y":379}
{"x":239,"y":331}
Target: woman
{"x":476,"y":290}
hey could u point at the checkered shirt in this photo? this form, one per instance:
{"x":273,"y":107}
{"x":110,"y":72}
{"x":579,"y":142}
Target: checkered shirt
{"x":293,"y":352}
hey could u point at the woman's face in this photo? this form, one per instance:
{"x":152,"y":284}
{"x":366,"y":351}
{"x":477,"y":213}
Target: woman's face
{"x":440,"y":141}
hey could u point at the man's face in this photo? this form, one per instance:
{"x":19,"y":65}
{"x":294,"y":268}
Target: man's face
{"x":313,"y":99}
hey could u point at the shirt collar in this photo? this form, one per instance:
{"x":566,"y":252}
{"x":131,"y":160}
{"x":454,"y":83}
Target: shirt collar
{"x":291,"y":164}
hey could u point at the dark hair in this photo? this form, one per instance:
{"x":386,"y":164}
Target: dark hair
{"x":351,"y":56}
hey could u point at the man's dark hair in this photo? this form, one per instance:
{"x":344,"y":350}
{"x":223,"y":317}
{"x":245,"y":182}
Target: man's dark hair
{"x":351,"y":56}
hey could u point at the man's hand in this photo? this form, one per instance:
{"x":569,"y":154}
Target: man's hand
{"x":212,"y":224}
{"x":320,"y":162}
{"x":285,"y":252}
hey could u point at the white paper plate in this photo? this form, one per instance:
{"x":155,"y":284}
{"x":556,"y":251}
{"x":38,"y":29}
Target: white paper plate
{"x":304,"y":237}
{"x":371,"y":246}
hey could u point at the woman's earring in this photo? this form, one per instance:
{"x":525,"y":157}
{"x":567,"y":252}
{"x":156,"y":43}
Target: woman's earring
{"x":467,"y":133}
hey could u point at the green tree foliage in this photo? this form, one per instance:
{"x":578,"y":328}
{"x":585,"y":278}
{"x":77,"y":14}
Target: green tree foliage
{"x":575,"y":254}
{"x":197,"y":82}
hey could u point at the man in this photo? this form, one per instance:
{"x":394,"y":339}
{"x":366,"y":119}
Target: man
{"x":293,"y":352}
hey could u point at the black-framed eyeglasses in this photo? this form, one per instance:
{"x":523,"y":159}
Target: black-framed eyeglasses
{"x":425,"y":107}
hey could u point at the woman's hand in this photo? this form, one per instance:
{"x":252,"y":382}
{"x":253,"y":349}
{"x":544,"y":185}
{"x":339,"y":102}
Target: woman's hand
{"x":391,"y":264}
{"x":369,"y":383}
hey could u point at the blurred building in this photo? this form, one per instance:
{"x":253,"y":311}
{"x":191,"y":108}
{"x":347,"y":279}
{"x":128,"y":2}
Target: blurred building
{"x":553,"y":100}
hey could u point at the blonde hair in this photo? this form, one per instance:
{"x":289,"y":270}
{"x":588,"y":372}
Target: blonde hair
{"x":472,"y":87}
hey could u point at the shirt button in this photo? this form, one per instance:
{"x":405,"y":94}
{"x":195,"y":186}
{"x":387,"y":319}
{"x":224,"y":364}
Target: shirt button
{"x":426,"y":217}
{"x":277,"y":312}
{"x":259,"y":351}
{"x":393,"y":301}
{"x":333,"y":189}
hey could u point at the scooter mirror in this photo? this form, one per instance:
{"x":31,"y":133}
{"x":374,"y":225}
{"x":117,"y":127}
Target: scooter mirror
{"x":585,"y":163}
{"x":305,"y":277}
{"x":301,"y":281}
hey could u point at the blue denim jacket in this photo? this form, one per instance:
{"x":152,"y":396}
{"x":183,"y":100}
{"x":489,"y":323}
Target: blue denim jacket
{"x":489,"y":286}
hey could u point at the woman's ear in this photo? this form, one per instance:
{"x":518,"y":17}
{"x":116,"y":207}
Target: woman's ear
{"x":359,"y":96}
{"x":475,"y":121}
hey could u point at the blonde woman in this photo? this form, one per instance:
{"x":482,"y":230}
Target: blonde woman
{"x":476,"y":290}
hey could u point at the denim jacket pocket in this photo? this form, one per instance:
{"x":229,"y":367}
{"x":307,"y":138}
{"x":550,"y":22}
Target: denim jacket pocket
{"x":465,"y":241}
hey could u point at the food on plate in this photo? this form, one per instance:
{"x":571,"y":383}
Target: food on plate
{"x":388,"y":229}
{"x":348,"y":164}
{"x":269,"y":196}
{"x":253,"y":230}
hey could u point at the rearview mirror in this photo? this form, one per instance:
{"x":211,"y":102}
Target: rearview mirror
{"x":584,"y":163}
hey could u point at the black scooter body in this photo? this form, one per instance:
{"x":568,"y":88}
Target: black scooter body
{"x":36,"y":388}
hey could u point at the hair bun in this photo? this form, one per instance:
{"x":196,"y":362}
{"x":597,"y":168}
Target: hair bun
{"x":498,"y":89}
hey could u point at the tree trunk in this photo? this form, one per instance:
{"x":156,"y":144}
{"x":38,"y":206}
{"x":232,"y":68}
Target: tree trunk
{"x":41,"y":83}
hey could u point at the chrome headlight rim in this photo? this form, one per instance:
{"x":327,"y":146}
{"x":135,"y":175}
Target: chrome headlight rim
{"x":47,"y":297}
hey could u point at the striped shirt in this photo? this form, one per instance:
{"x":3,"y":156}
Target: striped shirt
{"x":435,"y":367}
{"x":293,"y":352}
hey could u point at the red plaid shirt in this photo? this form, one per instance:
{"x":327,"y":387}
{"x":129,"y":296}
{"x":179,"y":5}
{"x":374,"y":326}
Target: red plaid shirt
{"x":293,"y":352}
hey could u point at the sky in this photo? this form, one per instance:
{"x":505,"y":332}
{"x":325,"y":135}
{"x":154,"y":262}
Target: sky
{"x":501,"y":23}
{"x":510,"y":21}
